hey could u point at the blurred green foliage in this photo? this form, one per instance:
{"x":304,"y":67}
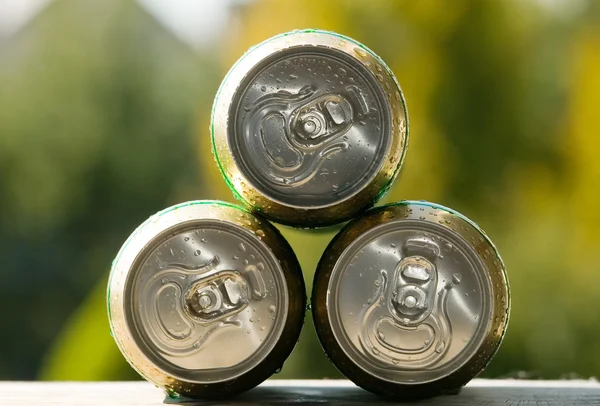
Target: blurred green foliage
{"x":104,"y":121}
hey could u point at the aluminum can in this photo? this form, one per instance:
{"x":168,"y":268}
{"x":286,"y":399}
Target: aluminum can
{"x":206,"y":300}
{"x":309,"y":128}
{"x":411,"y":300}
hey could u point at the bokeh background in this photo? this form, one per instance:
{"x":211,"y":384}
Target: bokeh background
{"x":104,"y":115}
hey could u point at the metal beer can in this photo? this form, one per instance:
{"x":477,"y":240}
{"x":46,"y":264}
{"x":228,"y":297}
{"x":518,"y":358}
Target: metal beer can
{"x":309,"y":128}
{"x":411,"y":300}
{"x":205,"y":299}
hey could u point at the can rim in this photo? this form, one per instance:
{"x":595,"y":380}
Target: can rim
{"x":182,"y":214}
{"x":315,"y":215}
{"x":497,"y":322}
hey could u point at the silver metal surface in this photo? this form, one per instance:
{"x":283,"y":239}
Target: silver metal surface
{"x":309,"y":127}
{"x":411,"y":293}
{"x":408,"y":301}
{"x":220,"y":266}
{"x":198,"y":295}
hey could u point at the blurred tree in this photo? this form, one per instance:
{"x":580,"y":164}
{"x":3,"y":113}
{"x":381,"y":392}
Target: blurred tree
{"x":486,"y":88}
{"x":96,"y":134}
{"x":554,"y":237}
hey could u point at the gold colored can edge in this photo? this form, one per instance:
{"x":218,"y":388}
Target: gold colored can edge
{"x":135,"y":248}
{"x":472,"y":234}
{"x":316,"y":216}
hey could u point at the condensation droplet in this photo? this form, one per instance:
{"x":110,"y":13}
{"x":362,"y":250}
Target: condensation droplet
{"x":360,"y":52}
{"x":440,"y":347}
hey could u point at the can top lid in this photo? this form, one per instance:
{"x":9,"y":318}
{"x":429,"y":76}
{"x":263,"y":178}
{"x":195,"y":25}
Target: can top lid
{"x":206,"y":298}
{"x":309,"y":126}
{"x":410,"y":300}
{"x":309,"y":121}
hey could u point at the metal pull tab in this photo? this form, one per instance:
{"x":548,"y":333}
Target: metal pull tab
{"x":217,"y":297}
{"x":414,"y":289}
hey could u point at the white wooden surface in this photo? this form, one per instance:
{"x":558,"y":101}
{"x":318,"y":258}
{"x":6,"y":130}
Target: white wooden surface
{"x":479,"y":393}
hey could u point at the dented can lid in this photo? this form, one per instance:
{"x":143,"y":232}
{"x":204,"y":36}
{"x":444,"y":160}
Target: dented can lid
{"x":202,"y":294}
{"x":309,"y":127}
{"x":413,"y":295}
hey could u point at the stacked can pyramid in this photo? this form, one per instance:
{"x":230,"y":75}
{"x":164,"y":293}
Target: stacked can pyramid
{"x":206,"y":299}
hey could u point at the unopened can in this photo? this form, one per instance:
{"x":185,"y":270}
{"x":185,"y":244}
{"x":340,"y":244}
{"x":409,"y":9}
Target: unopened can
{"x":310,"y":128}
{"x":206,"y":299}
{"x":411,"y":300}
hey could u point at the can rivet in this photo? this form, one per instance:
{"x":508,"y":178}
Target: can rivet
{"x":410,"y":302}
{"x":204,"y":301}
